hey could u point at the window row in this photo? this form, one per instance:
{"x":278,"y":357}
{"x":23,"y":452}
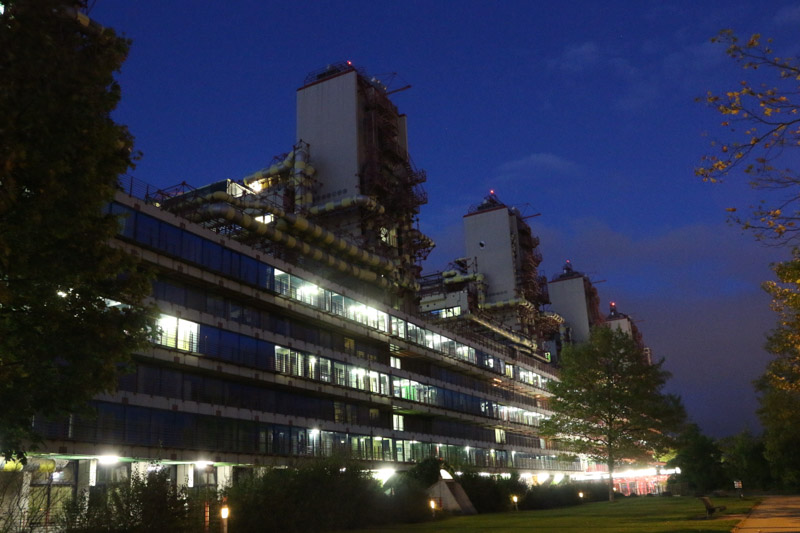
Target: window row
{"x":249,"y":351}
{"x":207,"y":301}
{"x":126,"y":425}
{"x":214,"y":257}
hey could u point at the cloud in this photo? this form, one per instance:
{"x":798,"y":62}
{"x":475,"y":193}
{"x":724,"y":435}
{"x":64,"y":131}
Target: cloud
{"x":632,"y":91}
{"x":694,"y":291}
{"x":697,"y":261}
{"x":638,"y":95}
{"x":537,"y":163}
{"x":578,"y":58}
{"x":789,"y":15}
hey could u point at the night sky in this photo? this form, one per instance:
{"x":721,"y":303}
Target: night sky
{"x":581,"y":111}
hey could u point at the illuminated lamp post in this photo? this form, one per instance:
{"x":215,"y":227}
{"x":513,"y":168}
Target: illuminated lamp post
{"x":515,"y":500}
{"x":433,"y":508}
{"x":225,"y":512}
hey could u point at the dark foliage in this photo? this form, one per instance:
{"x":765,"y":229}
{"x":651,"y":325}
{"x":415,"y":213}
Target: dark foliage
{"x":144,"y":504}
{"x":320,"y":496}
{"x":62,"y":339}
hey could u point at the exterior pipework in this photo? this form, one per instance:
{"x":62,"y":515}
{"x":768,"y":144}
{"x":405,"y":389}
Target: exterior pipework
{"x":452,"y":276}
{"x":514,"y":302}
{"x":296,"y":167}
{"x":303,"y":225}
{"x":358,"y":200}
{"x":319,"y":233}
{"x":228,"y":212}
{"x":275,"y":170}
{"x":301,"y":174}
{"x":516,"y":339}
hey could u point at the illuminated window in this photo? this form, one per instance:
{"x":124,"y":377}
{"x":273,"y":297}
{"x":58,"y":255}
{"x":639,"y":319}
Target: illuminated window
{"x":398,"y":423}
{"x":349,"y":345}
{"x":177,"y":333}
{"x":394,"y":362}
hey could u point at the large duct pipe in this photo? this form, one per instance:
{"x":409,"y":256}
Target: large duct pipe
{"x":228,"y":212}
{"x":360,"y":200}
{"x":514,"y":302}
{"x":301,"y":174}
{"x":303,"y":225}
{"x":516,"y":339}
{"x":295,"y":167}
{"x":275,"y":170}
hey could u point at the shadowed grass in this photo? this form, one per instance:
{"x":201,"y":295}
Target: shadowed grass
{"x":640,"y":515}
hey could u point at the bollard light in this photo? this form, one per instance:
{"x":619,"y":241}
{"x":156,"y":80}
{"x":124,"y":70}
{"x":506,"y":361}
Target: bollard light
{"x":225,"y":512}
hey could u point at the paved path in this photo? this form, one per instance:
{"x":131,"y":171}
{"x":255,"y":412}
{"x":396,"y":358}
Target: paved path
{"x":776,"y":514}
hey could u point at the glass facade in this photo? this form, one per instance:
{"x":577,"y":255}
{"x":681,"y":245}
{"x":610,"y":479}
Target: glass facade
{"x":405,"y":364}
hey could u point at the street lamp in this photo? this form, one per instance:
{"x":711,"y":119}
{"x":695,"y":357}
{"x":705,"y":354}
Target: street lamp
{"x":515,"y":500}
{"x":225,"y":513}
{"x":433,"y":508}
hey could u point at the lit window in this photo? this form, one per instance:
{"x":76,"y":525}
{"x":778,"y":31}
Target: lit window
{"x":394,"y":362}
{"x":398,"y":423}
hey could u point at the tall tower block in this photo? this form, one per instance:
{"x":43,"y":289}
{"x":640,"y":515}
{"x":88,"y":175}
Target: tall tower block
{"x":505,"y":251}
{"x":575,"y":298}
{"x":367,"y":188}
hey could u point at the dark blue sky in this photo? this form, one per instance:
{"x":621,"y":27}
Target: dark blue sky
{"x":581,"y":111}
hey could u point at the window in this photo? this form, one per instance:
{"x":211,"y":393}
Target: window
{"x":349,"y":345}
{"x":177,"y":333}
{"x":398,"y":423}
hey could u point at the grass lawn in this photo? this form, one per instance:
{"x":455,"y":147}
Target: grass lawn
{"x":652,"y":514}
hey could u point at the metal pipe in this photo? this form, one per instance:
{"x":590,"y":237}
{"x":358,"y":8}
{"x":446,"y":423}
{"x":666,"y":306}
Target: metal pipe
{"x":517,"y":339}
{"x":359,"y":200}
{"x":305,"y":226}
{"x":230,"y":213}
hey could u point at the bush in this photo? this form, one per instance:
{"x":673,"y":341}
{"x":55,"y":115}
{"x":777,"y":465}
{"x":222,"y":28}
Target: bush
{"x":144,"y":503}
{"x":322,"y":495}
{"x":406,"y":499}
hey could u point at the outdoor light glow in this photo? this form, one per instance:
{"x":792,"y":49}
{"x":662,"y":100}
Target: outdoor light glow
{"x":108,"y":459}
{"x":541,"y":478}
{"x":445,"y":474}
{"x":314,"y":433}
{"x":383,"y":474}
{"x":580,"y":495}
{"x":515,"y":499}
{"x":558,"y":478}
{"x":224,"y":512}
{"x":203,"y":464}
{"x":433,"y":504}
